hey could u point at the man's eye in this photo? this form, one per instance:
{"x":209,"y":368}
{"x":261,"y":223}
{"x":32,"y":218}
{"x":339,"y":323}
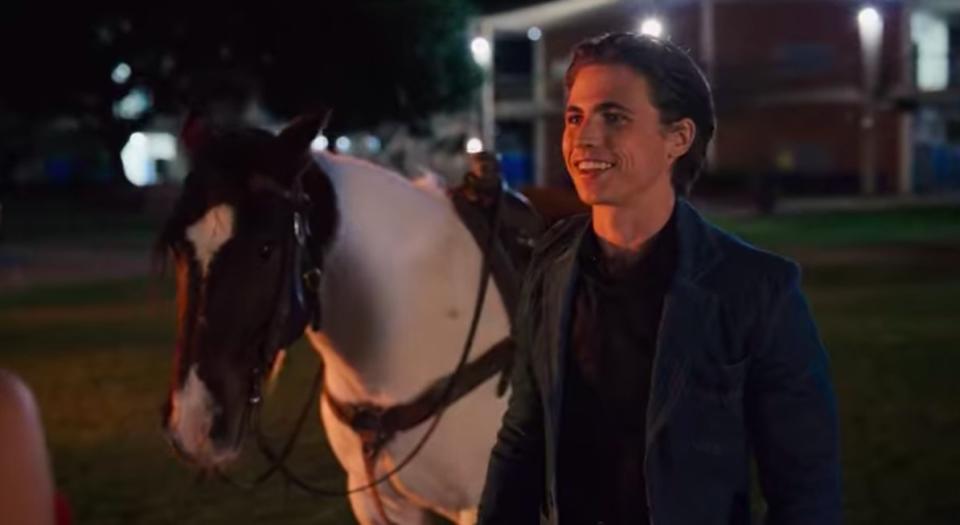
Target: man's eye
{"x":614,"y":118}
{"x":574,"y":119}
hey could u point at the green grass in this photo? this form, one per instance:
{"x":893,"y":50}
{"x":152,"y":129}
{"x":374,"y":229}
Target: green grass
{"x":895,"y":349}
{"x":848,"y":228}
{"x":98,"y":357}
{"x":884,"y":287}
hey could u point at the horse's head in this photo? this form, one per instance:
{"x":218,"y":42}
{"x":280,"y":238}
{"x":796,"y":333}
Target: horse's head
{"x":255,"y":213}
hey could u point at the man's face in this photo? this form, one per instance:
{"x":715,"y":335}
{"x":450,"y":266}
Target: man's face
{"x":613,"y":143}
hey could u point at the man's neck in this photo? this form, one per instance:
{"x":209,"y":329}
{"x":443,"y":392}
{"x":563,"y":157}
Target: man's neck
{"x":625,"y":231}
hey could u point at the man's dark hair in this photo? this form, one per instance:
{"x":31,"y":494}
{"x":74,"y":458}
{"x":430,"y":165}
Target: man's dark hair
{"x":679,"y":89}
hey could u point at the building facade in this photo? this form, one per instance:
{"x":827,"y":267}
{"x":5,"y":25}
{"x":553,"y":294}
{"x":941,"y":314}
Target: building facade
{"x":813,"y":96}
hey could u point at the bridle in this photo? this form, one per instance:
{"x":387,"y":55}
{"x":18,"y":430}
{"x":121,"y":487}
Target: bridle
{"x":302,"y":306}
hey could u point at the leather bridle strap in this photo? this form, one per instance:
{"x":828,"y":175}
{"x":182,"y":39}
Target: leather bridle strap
{"x":441,"y":401}
{"x":437,"y":398}
{"x":385,"y":422}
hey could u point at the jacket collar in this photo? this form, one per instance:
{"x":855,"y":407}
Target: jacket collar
{"x":697,"y":244}
{"x":697,"y":247}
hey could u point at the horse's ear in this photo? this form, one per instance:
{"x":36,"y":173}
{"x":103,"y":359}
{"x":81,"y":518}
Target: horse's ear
{"x":195,"y":133}
{"x":298,"y":135}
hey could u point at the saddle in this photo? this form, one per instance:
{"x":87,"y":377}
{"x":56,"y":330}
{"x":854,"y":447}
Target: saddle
{"x":520,"y":227}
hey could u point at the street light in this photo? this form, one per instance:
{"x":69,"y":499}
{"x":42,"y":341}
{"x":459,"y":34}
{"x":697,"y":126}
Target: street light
{"x":482,"y":53}
{"x":870,"y":20}
{"x":870,"y":25}
{"x":320,"y":143}
{"x":474,"y":145}
{"x":121,"y":73}
{"x":652,"y":26}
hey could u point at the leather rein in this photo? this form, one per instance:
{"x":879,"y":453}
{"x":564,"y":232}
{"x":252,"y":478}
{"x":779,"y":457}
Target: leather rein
{"x":375,"y":425}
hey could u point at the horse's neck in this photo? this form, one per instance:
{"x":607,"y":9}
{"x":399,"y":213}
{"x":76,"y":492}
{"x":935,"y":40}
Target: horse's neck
{"x":382,"y":212}
{"x":399,"y":285}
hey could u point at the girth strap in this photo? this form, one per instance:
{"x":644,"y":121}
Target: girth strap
{"x":377,"y":425}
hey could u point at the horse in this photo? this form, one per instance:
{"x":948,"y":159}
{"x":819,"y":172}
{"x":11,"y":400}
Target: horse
{"x":397,"y":292}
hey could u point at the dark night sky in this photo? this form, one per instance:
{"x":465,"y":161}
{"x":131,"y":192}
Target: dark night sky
{"x":374,"y":58}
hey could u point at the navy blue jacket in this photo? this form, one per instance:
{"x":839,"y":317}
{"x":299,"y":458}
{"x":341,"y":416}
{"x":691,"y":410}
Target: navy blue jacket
{"x":739,"y":370}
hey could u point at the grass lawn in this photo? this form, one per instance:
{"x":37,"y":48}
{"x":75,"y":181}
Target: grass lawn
{"x":885,"y":289}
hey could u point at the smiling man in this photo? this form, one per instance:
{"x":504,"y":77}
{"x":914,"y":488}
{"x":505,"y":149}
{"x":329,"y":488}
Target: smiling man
{"x":657,"y":353}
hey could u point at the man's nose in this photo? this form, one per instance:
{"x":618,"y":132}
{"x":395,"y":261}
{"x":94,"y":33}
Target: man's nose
{"x":590,"y":132}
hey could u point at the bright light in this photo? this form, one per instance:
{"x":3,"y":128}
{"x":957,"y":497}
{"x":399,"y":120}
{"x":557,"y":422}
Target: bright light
{"x":136,"y":161}
{"x":372,"y":143}
{"x":931,"y":36}
{"x":651,"y":26}
{"x":321,"y":143}
{"x":343,"y":144}
{"x":141,"y":153}
{"x":162,"y":146}
{"x":474,"y":145}
{"x":870,"y":26}
{"x":121,"y":73}
{"x":534,"y":33}
{"x":482,"y":52}
{"x":134,"y":105}
{"x":869,"y":20}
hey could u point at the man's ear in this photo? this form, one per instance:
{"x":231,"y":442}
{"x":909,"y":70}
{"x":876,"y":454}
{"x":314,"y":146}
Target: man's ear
{"x":680,"y":137}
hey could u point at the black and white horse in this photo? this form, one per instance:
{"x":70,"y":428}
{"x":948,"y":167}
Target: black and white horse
{"x":399,"y":284}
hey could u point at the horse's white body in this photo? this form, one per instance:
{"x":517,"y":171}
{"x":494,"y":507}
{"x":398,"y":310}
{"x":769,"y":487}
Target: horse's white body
{"x":400,"y":286}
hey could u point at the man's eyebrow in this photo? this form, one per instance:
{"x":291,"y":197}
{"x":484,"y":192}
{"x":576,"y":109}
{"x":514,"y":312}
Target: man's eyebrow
{"x":603,"y":106}
{"x":613,"y":105}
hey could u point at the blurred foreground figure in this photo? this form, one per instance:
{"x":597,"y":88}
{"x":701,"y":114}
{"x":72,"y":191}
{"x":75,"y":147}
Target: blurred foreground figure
{"x":656,"y":354}
{"x":26,"y":487}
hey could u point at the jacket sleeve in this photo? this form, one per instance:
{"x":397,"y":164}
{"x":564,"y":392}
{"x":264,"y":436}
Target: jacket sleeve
{"x":792,"y":415}
{"x":514,"y":486}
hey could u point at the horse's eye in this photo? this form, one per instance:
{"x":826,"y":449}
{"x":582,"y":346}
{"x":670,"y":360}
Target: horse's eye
{"x":266,"y":249}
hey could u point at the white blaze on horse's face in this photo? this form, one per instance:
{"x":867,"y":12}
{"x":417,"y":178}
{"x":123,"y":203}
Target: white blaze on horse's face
{"x":210,"y":233}
{"x":191,"y":418}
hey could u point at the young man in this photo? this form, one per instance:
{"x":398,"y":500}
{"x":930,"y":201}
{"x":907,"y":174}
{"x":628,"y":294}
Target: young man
{"x":657,"y":354}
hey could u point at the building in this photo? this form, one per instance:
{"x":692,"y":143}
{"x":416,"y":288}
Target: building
{"x":814,"y":96}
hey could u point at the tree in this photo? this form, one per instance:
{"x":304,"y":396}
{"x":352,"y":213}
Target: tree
{"x":368,"y":60}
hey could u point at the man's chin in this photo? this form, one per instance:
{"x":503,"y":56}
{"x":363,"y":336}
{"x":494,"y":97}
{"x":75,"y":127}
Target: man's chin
{"x":591,"y":192}
{"x":592,"y":198}
{"x":587,"y":196}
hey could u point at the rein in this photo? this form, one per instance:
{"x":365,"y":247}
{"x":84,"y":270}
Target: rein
{"x":308,"y":274}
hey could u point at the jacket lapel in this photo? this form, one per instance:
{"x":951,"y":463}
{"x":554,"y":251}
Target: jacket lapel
{"x":689,"y":313}
{"x":558,"y":300}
